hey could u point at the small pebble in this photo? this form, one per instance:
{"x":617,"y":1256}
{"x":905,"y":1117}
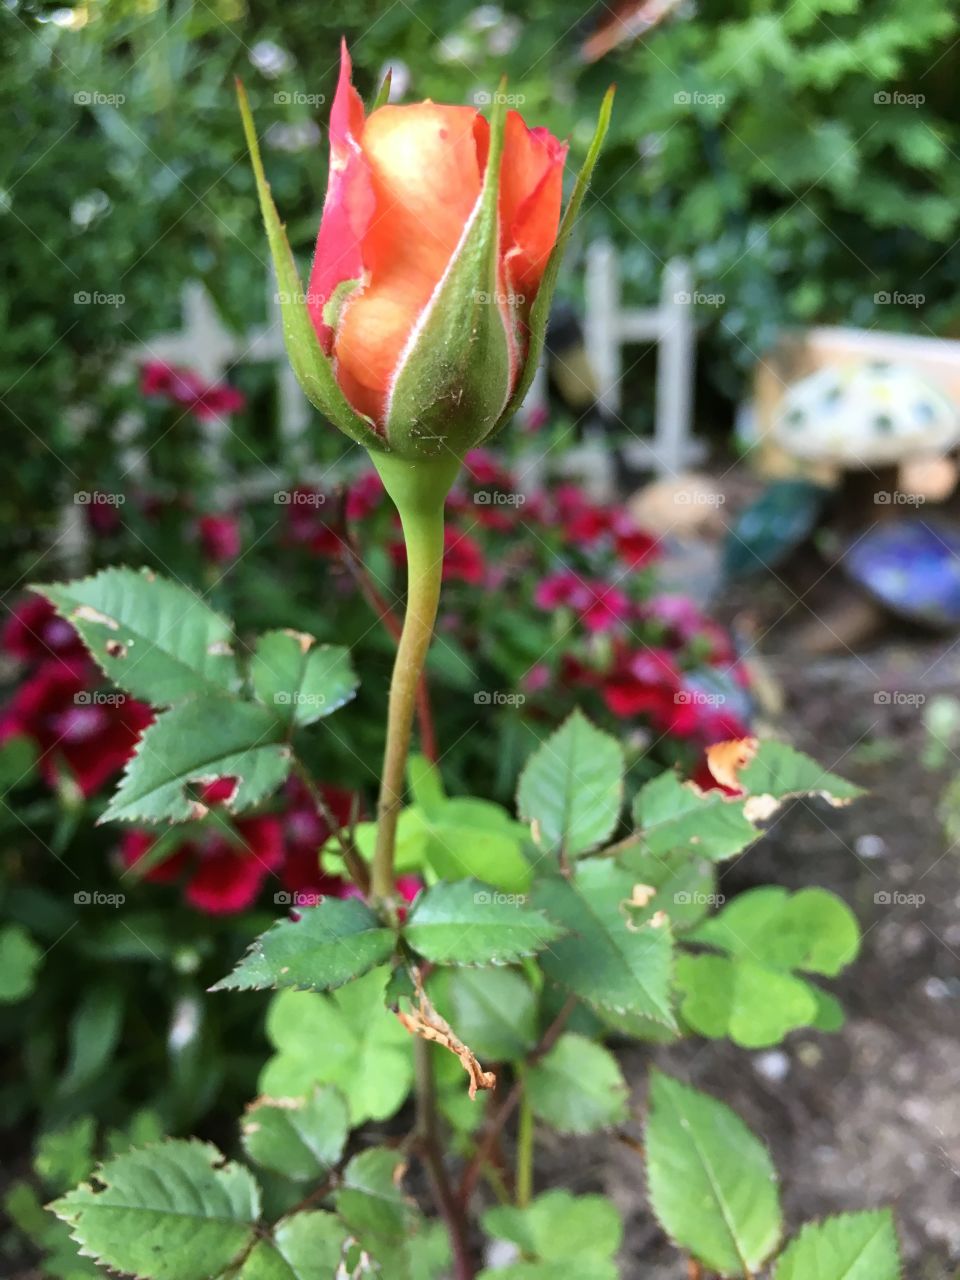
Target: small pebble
{"x":773,"y":1065}
{"x":870,"y":846}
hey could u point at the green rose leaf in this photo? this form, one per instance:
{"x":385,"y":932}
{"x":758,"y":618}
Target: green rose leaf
{"x":811,"y":930}
{"x":571,"y":788}
{"x":467,"y":923}
{"x":685,"y":884}
{"x":329,"y":944}
{"x":174,"y":1211}
{"x":559,"y":1227}
{"x":371,"y":1200}
{"x":300,"y":680}
{"x":493,"y":1010}
{"x":300,"y":1138}
{"x":850,"y":1246}
{"x":347,"y":1039}
{"x":673,"y":815}
{"x":19,"y":960}
{"x":780,"y":771}
{"x":467,"y":837}
{"x":577,"y":1087}
{"x":307,"y":1246}
{"x":611,"y":958}
{"x":151,"y":636}
{"x":755,"y":1006}
{"x":712,"y":1183}
{"x":195,"y":743}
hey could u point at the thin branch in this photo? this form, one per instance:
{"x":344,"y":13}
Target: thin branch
{"x":488,"y":1142}
{"x":357,"y":869}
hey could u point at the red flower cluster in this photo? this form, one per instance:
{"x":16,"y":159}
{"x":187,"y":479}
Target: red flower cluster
{"x":60,"y":706}
{"x":224,"y":871}
{"x":204,"y":400}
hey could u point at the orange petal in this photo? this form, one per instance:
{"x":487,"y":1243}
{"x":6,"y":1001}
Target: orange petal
{"x":426,"y":177}
{"x":531,"y":189}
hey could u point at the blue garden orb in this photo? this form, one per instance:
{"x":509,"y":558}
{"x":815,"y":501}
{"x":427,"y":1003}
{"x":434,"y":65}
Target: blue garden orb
{"x":913,"y":567}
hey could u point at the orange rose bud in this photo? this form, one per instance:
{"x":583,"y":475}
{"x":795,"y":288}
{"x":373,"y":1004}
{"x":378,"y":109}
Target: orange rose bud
{"x":436,"y":259}
{"x":434,"y":240}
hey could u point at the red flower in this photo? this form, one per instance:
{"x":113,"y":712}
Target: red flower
{"x":206,"y":401}
{"x":219,"y":538}
{"x":307,"y":525}
{"x":224,"y":874}
{"x":90,"y":734}
{"x":35,"y":631}
{"x":364,"y":496}
{"x":634,"y":545}
{"x":604,"y":608}
{"x":559,"y":590}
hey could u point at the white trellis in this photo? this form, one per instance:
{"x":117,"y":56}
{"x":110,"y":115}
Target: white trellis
{"x":609,"y":327}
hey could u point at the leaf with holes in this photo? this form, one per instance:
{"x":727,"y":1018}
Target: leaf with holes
{"x":300,"y":680}
{"x":468,"y":923}
{"x":611,"y":957}
{"x":151,"y":636}
{"x":328,"y":945}
{"x":577,"y":1087}
{"x":174,"y":1211}
{"x":780,"y":772}
{"x":672,"y":815}
{"x":850,"y":1246}
{"x":571,"y":788}
{"x":712,"y":1184}
{"x":195,"y":743}
{"x":300,"y":1138}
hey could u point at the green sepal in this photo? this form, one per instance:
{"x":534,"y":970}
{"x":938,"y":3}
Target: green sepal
{"x":452,"y":383}
{"x":540,"y":311}
{"x":382,"y":96}
{"x":307,"y":357}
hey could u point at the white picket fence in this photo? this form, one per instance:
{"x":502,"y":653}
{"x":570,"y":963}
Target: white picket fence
{"x":203,"y":343}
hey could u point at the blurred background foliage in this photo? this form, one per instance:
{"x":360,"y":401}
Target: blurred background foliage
{"x":753,"y":137}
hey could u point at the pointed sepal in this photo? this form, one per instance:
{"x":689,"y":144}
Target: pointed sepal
{"x":307,"y":357}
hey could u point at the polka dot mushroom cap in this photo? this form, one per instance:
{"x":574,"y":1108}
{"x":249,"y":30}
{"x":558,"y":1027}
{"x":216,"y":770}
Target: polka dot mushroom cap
{"x":872,"y":414}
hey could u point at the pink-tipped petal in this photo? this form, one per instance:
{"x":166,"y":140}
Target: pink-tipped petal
{"x":349,"y":204}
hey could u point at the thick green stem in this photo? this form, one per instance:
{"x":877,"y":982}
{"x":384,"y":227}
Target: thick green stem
{"x":419,"y":491}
